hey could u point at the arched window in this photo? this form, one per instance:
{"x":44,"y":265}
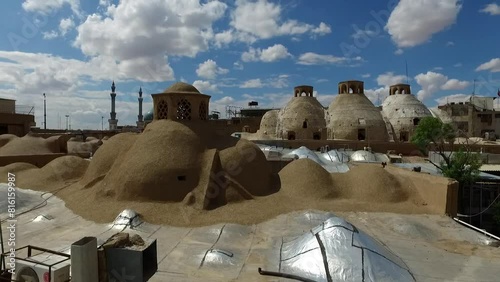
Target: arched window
{"x":203,"y":110}
{"x":184,"y":110}
{"x":343,"y":88}
{"x":304,"y":124}
{"x":162,"y":109}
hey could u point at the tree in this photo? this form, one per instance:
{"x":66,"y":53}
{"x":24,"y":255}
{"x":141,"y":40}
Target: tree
{"x":462,"y":165}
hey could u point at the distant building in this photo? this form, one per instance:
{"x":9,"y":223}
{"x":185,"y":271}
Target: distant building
{"x":15,"y":120}
{"x":475,"y":117}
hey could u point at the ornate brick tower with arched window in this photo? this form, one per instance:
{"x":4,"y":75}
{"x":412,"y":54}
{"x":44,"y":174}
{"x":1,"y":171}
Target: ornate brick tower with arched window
{"x":182,"y":102}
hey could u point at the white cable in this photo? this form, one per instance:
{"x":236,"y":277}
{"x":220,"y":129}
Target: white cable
{"x":463,"y":215}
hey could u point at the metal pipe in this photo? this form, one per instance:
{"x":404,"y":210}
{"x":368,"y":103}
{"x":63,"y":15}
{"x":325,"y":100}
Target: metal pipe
{"x":477,"y":229}
{"x":2,"y":266}
{"x":284,"y":275}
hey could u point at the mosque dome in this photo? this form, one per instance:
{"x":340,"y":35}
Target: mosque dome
{"x":403,"y":111}
{"x":354,"y":117}
{"x":181,"y":87}
{"x":149,"y":115}
{"x":269,"y":122}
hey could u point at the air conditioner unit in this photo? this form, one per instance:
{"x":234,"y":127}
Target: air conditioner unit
{"x":33,"y":271}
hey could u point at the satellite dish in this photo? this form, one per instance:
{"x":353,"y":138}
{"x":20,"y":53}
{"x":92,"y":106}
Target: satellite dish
{"x":27,"y":275}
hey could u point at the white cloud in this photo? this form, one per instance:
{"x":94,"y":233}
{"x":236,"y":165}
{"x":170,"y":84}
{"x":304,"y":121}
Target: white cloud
{"x":322,"y":80}
{"x":322,"y":29}
{"x":457,"y":65}
{"x":408,"y":27}
{"x":389,"y":78}
{"x":271,"y":54}
{"x":311,"y":58}
{"x":399,"y":52}
{"x":65,"y":25}
{"x":104,"y":3}
{"x":455,"y":98}
{"x":432,"y":82}
{"x":455,"y":84}
{"x":377,"y":95}
{"x":366,"y":75}
{"x":206,"y":87}
{"x":210,"y":70}
{"x":253,"y":20}
{"x":493,"y":66}
{"x":450,"y":43}
{"x":141,"y":35}
{"x":492,"y":9}
{"x":438,"y":68}
{"x":238,"y":66}
{"x":50,"y":34}
{"x":48,"y":6}
{"x":252,"y":83}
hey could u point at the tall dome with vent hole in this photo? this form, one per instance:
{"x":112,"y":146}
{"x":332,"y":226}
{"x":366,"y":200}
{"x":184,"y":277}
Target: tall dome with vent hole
{"x":353,"y":116}
{"x":403,"y":111}
{"x":303,"y":117}
{"x":181,"y":102}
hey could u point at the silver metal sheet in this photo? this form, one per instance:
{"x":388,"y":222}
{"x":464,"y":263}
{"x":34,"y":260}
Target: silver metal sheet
{"x":127,"y":218}
{"x":336,"y":250}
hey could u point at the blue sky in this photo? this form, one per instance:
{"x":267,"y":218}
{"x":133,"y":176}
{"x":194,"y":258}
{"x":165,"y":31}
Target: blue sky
{"x":239,"y":51}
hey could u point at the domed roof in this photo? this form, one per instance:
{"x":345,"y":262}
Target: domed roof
{"x":182,"y":87}
{"x":149,"y":115}
{"x":403,"y":106}
{"x":349,"y":111}
{"x":302,"y":108}
{"x":269,"y":122}
{"x":363,"y":156}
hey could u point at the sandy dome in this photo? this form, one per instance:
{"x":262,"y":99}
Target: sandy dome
{"x":302,"y":115}
{"x":181,"y":87}
{"x":404,"y":111}
{"x":351,"y":113}
{"x":306,"y":178}
{"x":269,"y":122}
{"x":247,"y":164}
{"x":162,"y":165}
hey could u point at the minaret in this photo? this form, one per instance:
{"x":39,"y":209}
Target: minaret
{"x":113,"y":122}
{"x":140,"y":120}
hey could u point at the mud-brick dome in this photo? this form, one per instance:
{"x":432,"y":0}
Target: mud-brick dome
{"x":302,"y":118}
{"x":269,"y":122}
{"x":403,"y":111}
{"x":354,"y":117}
{"x":182,"y":102}
{"x":181,"y":87}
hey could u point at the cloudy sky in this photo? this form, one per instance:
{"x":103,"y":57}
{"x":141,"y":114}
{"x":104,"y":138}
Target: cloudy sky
{"x":240,"y":51}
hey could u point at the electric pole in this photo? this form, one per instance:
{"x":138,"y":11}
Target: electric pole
{"x":67,"y":116}
{"x":44,"y":111}
{"x":102,"y":123}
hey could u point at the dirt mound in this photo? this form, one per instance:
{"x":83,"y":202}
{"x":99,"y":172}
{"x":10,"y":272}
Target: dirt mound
{"x":370,"y":183}
{"x":243,"y":162}
{"x":14,"y":168}
{"x":163,"y":164}
{"x":57,"y":173}
{"x":6,"y":138}
{"x":110,"y":151}
{"x":306,"y":178}
{"x":29,"y":145}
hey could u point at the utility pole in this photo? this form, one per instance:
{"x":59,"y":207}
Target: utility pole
{"x":102,"y":123}
{"x":44,"y":111}
{"x":67,"y":116}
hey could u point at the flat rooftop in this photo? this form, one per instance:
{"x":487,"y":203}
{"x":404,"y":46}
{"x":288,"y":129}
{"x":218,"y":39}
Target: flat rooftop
{"x":435,"y":248}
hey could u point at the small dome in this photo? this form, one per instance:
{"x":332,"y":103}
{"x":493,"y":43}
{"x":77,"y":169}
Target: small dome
{"x":363,"y":156}
{"x":269,"y":122}
{"x":149,"y":115}
{"x":182,"y":87}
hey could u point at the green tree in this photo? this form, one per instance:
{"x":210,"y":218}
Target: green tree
{"x":462,"y":165}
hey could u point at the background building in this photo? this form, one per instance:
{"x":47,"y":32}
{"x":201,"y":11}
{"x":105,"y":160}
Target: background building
{"x":15,"y":120}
